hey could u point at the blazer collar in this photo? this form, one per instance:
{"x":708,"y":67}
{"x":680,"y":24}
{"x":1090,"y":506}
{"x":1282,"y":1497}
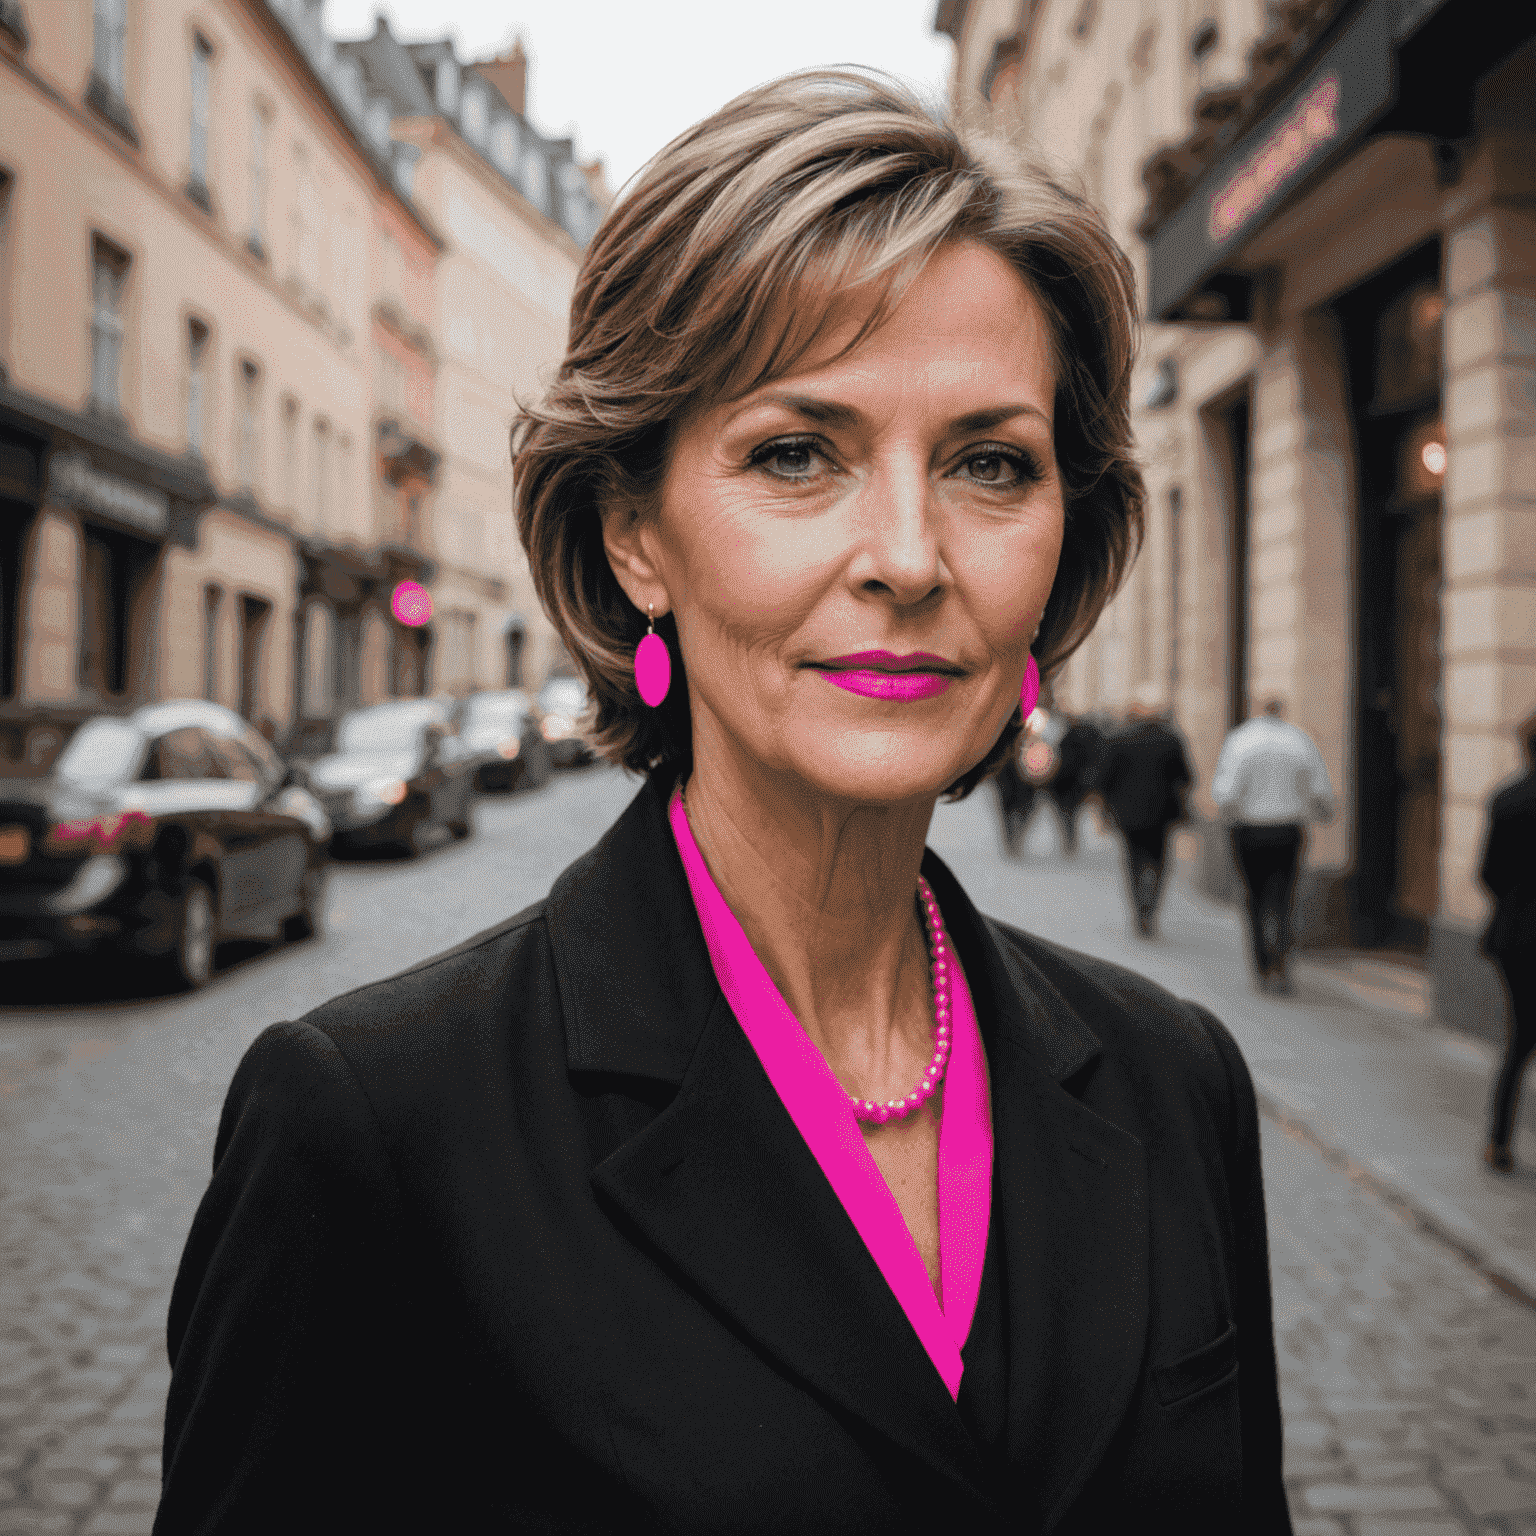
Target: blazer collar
{"x":637,"y":984}
{"x":722,"y":1183}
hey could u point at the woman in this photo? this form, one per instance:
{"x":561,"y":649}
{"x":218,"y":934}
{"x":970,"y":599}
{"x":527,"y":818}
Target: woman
{"x":753,"y":1181}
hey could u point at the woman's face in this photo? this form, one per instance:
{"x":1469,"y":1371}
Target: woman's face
{"x":902,"y":501}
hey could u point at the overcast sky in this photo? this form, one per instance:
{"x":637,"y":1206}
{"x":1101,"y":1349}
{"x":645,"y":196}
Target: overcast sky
{"x":622,"y":78}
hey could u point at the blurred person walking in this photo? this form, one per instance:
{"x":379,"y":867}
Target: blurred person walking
{"x":1509,"y":872}
{"x":1270,"y":782}
{"x":1145,"y":785}
{"x":1079,"y":754}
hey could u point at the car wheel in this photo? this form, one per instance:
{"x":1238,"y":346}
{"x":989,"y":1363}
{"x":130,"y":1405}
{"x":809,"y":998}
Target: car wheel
{"x":308,"y":921}
{"x":189,"y":964}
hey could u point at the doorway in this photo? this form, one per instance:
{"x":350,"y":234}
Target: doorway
{"x":1228,"y":423}
{"x":1391,"y":326}
{"x":116,"y":577}
{"x":15,"y":524}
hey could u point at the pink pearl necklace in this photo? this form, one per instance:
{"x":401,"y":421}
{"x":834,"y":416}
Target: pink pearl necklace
{"x":899,"y":1109}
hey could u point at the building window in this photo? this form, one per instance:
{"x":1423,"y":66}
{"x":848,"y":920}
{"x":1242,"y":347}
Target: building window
{"x":197,"y":383}
{"x":474,"y":116}
{"x":342,"y":509}
{"x":320,"y":474}
{"x":261,"y":130}
{"x":255,"y":613}
{"x":248,"y":439}
{"x":213,"y":607}
{"x":304,"y":219}
{"x":536,"y":180}
{"x":202,"y":63}
{"x":109,"y":275}
{"x":110,"y":44}
{"x":389,"y":380}
{"x":504,"y":146}
{"x":446,"y":87}
{"x":290,"y":453}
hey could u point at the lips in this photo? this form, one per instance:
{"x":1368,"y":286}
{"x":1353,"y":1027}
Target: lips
{"x":885,"y":675}
{"x":889,"y":661}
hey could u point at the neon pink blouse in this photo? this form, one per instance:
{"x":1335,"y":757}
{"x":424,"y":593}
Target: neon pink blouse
{"x":823,"y":1114}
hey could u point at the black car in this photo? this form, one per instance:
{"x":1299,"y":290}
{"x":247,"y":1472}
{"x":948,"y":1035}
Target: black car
{"x":504,"y":726}
{"x":398,"y":773}
{"x":563,"y":705}
{"x":152,"y":833}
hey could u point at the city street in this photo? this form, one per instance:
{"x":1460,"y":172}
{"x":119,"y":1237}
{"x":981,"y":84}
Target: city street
{"x":1407,"y":1373}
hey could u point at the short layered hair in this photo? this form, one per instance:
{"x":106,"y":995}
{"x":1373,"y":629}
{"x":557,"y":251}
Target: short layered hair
{"x":717,"y":272}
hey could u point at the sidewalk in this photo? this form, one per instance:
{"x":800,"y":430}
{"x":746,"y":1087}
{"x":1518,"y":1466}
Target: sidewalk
{"x":1353,"y":1059}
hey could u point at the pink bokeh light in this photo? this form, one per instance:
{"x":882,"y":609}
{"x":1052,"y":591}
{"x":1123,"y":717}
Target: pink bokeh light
{"x":411,"y":603}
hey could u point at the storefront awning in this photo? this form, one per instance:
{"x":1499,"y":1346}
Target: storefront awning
{"x":1384,"y":66}
{"x":91,"y":462}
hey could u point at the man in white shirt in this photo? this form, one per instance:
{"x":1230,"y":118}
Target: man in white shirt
{"x":1270,"y":782}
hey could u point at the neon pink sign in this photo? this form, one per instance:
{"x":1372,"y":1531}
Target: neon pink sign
{"x":1313,"y":123}
{"x":411,"y":603}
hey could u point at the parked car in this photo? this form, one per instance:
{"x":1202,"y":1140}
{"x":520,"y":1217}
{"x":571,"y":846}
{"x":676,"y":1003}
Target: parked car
{"x":505,"y":726}
{"x":154,"y":832}
{"x":398,"y":772}
{"x":563,"y":703}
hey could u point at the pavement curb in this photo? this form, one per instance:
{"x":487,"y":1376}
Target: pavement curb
{"x":1515,"y":1277}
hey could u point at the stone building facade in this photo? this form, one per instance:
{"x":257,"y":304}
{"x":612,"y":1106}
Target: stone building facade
{"x":1331,"y":205}
{"x":257,"y":359}
{"x":193,"y":236}
{"x":515,"y":209}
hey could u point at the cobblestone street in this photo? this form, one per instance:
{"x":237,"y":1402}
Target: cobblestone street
{"x":1409,"y":1378}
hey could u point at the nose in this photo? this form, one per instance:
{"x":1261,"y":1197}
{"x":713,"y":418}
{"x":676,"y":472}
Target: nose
{"x":898,"y":548}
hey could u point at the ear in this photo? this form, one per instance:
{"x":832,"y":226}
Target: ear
{"x":629,"y":541}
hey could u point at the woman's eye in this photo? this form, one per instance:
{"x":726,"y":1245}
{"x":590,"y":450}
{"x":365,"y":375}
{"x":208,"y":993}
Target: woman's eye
{"x":995,"y":467}
{"x":787,"y":461}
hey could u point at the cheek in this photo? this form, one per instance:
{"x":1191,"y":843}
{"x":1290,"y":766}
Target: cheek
{"x":750,"y":577}
{"x":1011,"y":579}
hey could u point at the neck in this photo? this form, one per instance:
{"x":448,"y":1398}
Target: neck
{"x":825,"y":890}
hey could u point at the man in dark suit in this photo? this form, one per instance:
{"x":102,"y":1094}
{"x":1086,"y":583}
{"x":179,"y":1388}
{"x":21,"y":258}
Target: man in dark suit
{"x":1145,"y":783}
{"x":1509,"y":872}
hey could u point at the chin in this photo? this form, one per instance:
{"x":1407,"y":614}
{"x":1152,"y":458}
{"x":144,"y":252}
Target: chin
{"x":880,"y":767}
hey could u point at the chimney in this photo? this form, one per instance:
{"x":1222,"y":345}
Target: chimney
{"x":508,"y":75}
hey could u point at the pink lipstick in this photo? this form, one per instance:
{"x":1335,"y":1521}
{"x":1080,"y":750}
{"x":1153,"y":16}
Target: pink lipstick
{"x":885,"y":675}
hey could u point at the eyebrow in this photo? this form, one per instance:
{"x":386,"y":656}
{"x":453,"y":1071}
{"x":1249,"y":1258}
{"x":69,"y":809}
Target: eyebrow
{"x":833,"y":413}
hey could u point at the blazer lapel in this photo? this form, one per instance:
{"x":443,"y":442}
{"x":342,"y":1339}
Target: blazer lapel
{"x":721,"y":1182}
{"x":1072,"y":1195}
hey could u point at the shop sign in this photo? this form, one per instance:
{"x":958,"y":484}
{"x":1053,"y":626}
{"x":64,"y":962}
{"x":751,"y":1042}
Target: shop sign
{"x":1313,"y":123}
{"x":73,"y":481}
{"x":1347,"y":90}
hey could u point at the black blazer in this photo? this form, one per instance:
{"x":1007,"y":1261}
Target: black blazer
{"x":523,"y":1240}
{"x":1509,"y":872}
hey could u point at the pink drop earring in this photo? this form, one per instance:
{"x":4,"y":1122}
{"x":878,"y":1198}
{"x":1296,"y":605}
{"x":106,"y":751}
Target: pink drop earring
{"x":1029,"y":694}
{"x":653,"y":664}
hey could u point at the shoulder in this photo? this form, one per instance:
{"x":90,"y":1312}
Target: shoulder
{"x":427,"y":1006}
{"x":1166,"y":1047}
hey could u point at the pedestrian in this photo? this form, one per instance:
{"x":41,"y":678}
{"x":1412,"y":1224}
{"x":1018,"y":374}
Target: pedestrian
{"x":1015,"y":802}
{"x":1270,"y":782}
{"x":1078,"y":754}
{"x":634,"y":1211}
{"x":1509,"y":873}
{"x":1145,"y":787}
{"x":1019,"y":780}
